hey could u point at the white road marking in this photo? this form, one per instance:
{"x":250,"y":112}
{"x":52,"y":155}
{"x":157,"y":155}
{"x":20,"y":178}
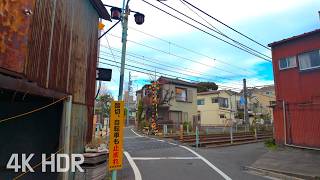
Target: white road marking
{"x":172,"y":143}
{"x":131,"y":137}
{"x":161,"y":158}
{"x":208,"y":163}
{"x":137,"y":174}
{"x":136,"y":133}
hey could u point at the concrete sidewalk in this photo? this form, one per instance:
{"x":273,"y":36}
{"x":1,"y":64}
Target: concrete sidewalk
{"x":294,"y":162}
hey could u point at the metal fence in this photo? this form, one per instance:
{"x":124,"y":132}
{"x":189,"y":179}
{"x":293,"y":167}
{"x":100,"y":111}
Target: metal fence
{"x":174,"y":129}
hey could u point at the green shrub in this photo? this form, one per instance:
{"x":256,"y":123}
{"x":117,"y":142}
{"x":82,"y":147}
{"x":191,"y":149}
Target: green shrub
{"x":187,"y":124}
{"x":270,"y":143}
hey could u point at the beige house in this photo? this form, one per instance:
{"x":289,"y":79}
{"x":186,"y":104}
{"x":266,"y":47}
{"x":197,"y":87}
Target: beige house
{"x":177,"y":102}
{"x":260,"y":99}
{"x":217,"y":107}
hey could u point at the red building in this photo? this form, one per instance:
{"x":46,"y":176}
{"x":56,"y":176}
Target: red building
{"x":296,"y":66}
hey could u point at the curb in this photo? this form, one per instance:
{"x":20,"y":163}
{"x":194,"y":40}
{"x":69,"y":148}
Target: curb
{"x":278,"y":174}
{"x":233,"y":144}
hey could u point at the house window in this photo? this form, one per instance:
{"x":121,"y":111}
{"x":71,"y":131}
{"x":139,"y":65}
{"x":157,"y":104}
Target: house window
{"x":200,"y":102}
{"x":222,"y":116}
{"x":309,"y":60}
{"x":215,"y":100}
{"x":223,"y":102}
{"x":288,"y":62}
{"x":181,"y":94}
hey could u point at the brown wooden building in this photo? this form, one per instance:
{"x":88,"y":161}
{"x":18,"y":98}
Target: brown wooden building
{"x":48,"y":50}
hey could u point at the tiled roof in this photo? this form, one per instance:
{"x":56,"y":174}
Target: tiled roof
{"x":163,"y":79}
{"x":209,"y":92}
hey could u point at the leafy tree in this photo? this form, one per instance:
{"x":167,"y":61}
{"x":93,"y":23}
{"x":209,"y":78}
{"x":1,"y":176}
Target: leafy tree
{"x":206,"y":86}
{"x":140,"y":111}
{"x":104,"y":104}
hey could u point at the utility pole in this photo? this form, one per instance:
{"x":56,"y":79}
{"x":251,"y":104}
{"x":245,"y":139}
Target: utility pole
{"x":124,"y":46}
{"x":245,"y":96}
{"x":128,"y":99}
{"x":124,"y":15}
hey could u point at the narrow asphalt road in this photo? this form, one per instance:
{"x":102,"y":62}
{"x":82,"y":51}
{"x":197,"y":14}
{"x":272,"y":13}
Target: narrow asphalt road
{"x":155,"y":159}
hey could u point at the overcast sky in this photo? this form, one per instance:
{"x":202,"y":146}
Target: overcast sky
{"x":210,"y":59}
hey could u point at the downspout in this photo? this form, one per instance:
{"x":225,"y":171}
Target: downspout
{"x":284,"y":122}
{"x":285,"y":131}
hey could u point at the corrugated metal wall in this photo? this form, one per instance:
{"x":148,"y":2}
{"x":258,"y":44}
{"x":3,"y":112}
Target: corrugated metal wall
{"x":302,"y":124}
{"x":55,"y":47}
{"x":301,"y":92}
{"x":63,"y":53}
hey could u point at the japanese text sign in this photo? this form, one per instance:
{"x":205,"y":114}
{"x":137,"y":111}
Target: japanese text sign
{"x":116,"y":135}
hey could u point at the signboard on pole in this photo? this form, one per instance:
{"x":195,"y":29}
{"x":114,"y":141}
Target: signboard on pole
{"x":116,"y":135}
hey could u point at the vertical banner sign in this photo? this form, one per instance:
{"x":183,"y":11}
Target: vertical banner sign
{"x":116,"y":135}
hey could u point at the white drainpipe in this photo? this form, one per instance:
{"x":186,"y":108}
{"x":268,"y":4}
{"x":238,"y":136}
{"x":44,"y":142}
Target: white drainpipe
{"x":285,"y":131}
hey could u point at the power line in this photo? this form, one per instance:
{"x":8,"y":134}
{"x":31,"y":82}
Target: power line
{"x":237,"y":42}
{"x":148,"y":70}
{"x":227,"y":25}
{"x":109,"y":47}
{"x":252,"y":53}
{"x":187,"y":49}
{"x":172,"y":70}
{"x":191,"y":80}
{"x":172,"y":67}
{"x":200,"y":16}
{"x":156,"y":61}
{"x":165,"y":52}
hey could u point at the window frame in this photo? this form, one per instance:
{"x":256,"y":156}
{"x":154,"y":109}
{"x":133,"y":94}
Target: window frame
{"x":186,"y":92}
{"x":287,"y":60}
{"x":200,"y":100}
{"x":310,"y":68}
{"x":219,"y":99}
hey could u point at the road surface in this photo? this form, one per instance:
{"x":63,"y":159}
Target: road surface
{"x":154,"y":159}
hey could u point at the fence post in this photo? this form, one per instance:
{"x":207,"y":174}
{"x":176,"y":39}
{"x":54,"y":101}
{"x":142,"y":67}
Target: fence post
{"x":207,"y":131}
{"x":231,"y":134}
{"x":165,"y":129}
{"x":181,"y":132}
{"x":255,"y":133}
{"x":236,"y":128}
{"x":197,"y":137}
{"x":187,"y":128}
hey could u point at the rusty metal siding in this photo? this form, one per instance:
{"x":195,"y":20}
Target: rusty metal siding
{"x":301,"y":92}
{"x":57,"y":49}
{"x":59,"y":56}
{"x":71,"y":27}
{"x":39,"y":43}
{"x":14,"y":29}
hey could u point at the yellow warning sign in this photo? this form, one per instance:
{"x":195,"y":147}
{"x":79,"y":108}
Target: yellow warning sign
{"x":100,"y":26}
{"x":116,"y":135}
